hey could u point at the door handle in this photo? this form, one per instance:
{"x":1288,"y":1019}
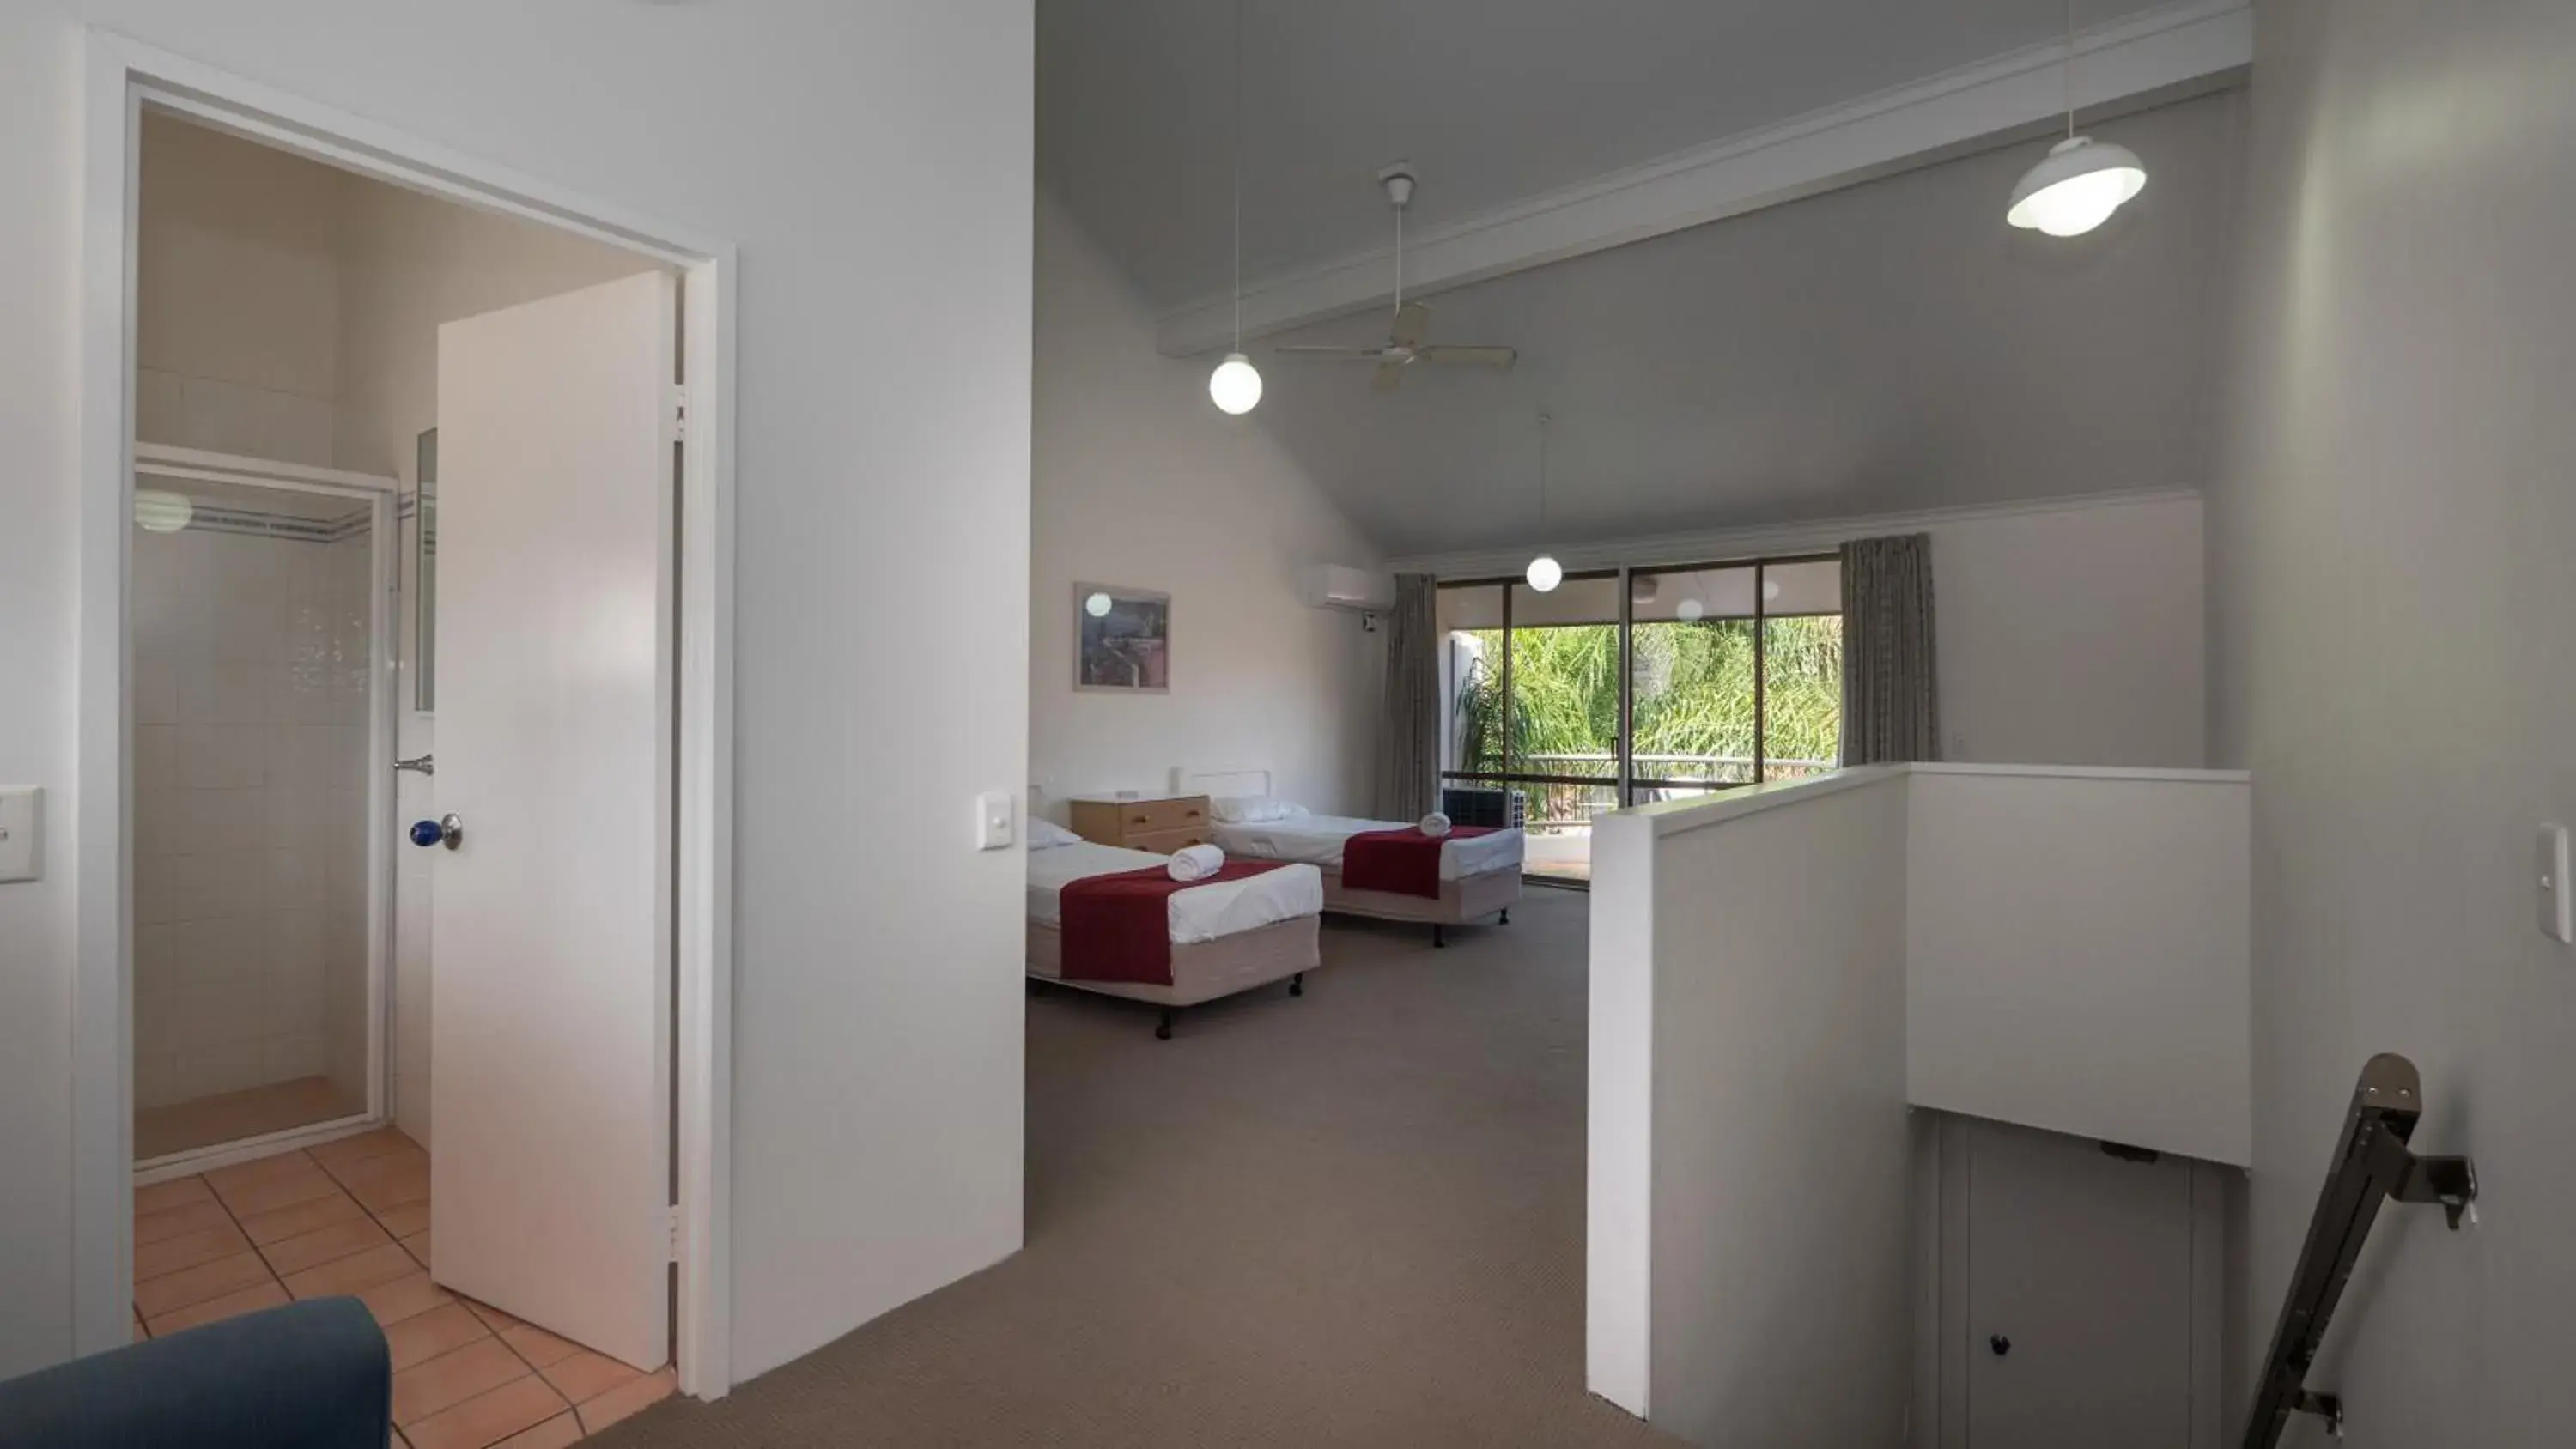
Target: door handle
{"x":424,"y":764}
{"x":447,"y":830}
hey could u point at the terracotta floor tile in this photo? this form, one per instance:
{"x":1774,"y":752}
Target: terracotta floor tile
{"x":194,"y":1216}
{"x":491,"y":1315}
{"x":487,"y":1419}
{"x":424,"y":1336}
{"x":170,"y":1292}
{"x":410,"y":1218}
{"x":260,"y":1295}
{"x":453,"y":1377}
{"x":405,"y":1298}
{"x":258,"y":1170}
{"x":353,"y":1274}
{"x":582,"y":1374}
{"x":540,"y":1348}
{"x":388,"y":1183}
{"x":351,"y":1150}
{"x":299,"y":1182}
{"x":163,"y":1195}
{"x":554,"y":1433}
{"x":152,"y":1260}
{"x":625,"y":1400}
{"x":303,"y":1217}
{"x":418,"y":1246}
{"x":289,"y":1256}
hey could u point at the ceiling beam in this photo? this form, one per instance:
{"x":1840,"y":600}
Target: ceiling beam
{"x":2164,"y":50}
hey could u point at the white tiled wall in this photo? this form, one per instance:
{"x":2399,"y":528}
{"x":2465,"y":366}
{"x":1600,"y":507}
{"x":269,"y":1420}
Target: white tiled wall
{"x":250,"y":680}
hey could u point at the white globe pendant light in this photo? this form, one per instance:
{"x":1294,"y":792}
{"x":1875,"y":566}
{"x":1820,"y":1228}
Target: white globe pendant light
{"x":1545,"y":573}
{"x":2082,"y":181}
{"x":1235,"y":386}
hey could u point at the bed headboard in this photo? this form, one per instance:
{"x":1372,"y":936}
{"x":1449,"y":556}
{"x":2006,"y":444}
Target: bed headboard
{"x":1216,"y":784}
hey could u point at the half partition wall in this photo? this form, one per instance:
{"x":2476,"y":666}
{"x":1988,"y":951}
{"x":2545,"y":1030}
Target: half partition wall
{"x":260,"y":706}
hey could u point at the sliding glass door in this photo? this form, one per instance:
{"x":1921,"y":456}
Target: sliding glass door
{"x":1628,"y":686}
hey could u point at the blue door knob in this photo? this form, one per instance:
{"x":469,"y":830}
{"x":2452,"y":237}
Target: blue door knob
{"x":425,"y":832}
{"x":446,"y":830}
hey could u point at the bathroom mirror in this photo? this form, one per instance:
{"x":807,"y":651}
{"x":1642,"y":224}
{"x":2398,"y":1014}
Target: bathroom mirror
{"x":424,"y":592}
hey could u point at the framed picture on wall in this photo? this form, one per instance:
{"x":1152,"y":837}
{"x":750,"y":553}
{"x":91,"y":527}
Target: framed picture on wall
{"x":1122,"y":640}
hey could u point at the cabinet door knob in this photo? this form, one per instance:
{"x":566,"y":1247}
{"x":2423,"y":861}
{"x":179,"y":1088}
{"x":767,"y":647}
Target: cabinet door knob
{"x":2000,"y":1344}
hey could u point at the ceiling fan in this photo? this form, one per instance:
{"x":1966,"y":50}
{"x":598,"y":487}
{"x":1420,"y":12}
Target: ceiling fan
{"x":1408,"y":338}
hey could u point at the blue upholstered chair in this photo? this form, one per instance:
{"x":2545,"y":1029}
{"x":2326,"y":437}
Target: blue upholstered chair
{"x":312,"y":1375}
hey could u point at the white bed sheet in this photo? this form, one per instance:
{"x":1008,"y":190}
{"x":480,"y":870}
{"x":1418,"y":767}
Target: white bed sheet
{"x":1198,"y":913}
{"x":1317,"y":840}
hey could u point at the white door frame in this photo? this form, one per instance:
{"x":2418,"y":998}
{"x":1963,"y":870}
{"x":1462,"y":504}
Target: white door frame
{"x":119,"y":76}
{"x":382,"y":498}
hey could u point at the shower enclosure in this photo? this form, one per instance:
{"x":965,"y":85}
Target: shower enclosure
{"x":259,"y":621}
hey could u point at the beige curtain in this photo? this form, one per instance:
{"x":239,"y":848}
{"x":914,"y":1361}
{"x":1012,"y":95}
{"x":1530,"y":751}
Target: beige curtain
{"x":1891,"y":694}
{"x":1408,"y":774}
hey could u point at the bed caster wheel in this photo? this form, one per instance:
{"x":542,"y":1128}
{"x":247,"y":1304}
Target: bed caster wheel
{"x":1163,"y":1028}
{"x":1297,"y":984}
{"x":1506,"y":919}
{"x":1439,"y":937}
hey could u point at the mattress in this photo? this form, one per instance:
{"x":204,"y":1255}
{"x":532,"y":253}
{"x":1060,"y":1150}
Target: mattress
{"x":1198,"y":913}
{"x":1316,"y":840}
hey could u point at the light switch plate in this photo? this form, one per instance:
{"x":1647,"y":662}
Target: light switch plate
{"x":2549,"y":863}
{"x":994,"y":820}
{"x":22,"y":832}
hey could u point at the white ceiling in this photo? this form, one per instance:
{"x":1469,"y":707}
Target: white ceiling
{"x":1886,"y":347}
{"x":1493,"y":100}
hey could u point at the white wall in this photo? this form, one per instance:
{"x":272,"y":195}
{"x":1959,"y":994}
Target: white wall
{"x":2389,"y":544}
{"x":872,"y":161}
{"x":237,"y":283}
{"x":2070,"y":632}
{"x":1138,"y":480}
{"x":1774,"y":1275}
{"x":2076,"y":954}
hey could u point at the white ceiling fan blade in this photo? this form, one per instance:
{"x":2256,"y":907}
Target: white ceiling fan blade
{"x":1412,"y":325}
{"x":1389,"y":375}
{"x":1471,"y":354}
{"x":1343,"y":354}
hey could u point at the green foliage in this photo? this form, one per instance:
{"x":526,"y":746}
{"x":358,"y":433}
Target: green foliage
{"x":1694,"y":697}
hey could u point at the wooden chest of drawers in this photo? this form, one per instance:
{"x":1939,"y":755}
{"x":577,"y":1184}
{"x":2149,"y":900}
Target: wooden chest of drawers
{"x":1161,"y":826}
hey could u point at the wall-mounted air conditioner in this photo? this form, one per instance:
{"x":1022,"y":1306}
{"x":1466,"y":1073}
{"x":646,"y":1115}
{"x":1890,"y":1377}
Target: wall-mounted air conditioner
{"x":1360,"y":591}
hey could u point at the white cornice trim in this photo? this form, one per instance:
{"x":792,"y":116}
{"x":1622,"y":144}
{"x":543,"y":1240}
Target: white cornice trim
{"x":1759,"y":541}
{"x":2174,"y":47}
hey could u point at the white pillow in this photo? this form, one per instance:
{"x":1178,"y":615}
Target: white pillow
{"x":1252,"y":809}
{"x":1046,"y":833}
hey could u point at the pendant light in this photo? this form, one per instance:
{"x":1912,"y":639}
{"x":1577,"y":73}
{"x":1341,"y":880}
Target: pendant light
{"x":2082,"y":181}
{"x":1235,"y":386}
{"x":1545,"y":573}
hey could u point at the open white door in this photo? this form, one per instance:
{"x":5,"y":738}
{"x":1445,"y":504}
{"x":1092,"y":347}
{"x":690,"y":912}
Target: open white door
{"x":550,"y":1011}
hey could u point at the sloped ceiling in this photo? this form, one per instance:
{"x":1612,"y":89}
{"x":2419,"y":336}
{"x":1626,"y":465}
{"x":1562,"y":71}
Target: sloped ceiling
{"x":1494,"y":100}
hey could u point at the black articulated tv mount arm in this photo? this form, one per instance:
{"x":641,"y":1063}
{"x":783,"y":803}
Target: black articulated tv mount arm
{"x":2372,"y":1164}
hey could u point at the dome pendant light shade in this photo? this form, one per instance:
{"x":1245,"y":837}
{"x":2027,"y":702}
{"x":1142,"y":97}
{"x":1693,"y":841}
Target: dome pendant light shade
{"x":1235,"y":386}
{"x":2077,"y":188}
{"x":1545,"y":573}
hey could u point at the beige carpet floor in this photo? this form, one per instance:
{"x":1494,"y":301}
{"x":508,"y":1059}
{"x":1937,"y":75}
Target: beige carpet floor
{"x":1349,"y":1218}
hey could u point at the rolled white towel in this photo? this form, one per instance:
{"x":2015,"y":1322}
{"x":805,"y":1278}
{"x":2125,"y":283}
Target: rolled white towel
{"x":1196,"y":862}
{"x":1435,"y":825}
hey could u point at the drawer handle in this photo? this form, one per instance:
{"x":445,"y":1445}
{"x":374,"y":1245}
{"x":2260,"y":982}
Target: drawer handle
{"x":1142,"y":820}
{"x":1193,"y":815}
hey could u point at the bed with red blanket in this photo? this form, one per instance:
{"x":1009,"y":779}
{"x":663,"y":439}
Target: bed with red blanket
{"x":1381,"y":868}
{"x":1113,"y":921}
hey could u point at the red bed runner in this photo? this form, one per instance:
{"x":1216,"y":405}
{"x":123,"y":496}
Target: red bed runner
{"x":1401,"y":862}
{"x":1118,"y":927}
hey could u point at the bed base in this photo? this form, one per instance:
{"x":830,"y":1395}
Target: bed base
{"x":1468,"y":898}
{"x":1202,"y":971}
